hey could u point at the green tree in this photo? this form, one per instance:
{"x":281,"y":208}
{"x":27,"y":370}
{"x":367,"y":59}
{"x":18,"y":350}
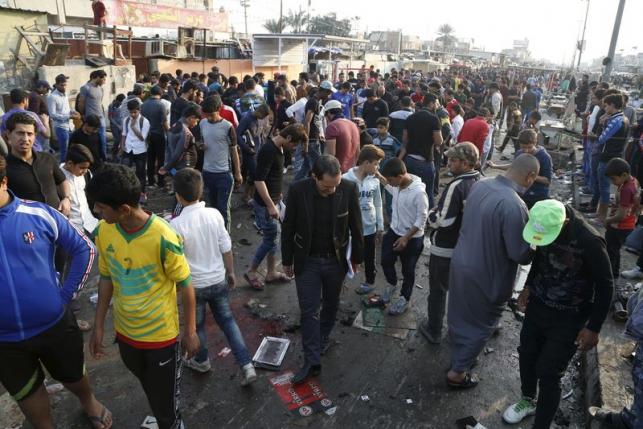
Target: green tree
{"x":297,"y":21}
{"x":275,"y":25}
{"x":445,"y":35}
{"x":330,"y":25}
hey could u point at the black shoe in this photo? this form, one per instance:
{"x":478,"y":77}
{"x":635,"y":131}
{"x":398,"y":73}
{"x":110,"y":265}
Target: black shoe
{"x":431,"y":337}
{"x":306,"y":371}
{"x":325,"y":345}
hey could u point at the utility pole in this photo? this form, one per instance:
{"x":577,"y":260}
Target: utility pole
{"x":582,"y":41}
{"x":612,"y":50}
{"x":281,"y":16}
{"x":245,"y":4}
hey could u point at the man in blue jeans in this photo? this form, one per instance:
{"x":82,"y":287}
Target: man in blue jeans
{"x":208,"y":250}
{"x":405,"y":238}
{"x":267,"y":202}
{"x":422,"y":133}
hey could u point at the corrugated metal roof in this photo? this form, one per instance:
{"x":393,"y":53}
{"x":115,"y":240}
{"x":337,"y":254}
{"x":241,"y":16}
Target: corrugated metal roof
{"x":17,"y":9}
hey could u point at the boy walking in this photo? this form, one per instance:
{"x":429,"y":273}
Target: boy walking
{"x":622,"y":219}
{"x":134,"y":142}
{"x":209,"y":252}
{"x":141,"y":263}
{"x":370,"y":202}
{"x":405,"y":238}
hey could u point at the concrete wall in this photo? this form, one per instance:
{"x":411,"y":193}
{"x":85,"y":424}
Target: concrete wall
{"x":238,"y":68}
{"x":120,"y":79}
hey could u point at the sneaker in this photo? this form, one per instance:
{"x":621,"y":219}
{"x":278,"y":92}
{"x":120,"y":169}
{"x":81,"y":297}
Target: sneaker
{"x":249,"y":374}
{"x":633,"y":274}
{"x":201,"y":367}
{"x":398,"y":307}
{"x":389,"y":290}
{"x":515,"y":413}
{"x":364,"y":288}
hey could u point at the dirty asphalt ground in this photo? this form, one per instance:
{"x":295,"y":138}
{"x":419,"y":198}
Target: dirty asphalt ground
{"x":388,"y":370}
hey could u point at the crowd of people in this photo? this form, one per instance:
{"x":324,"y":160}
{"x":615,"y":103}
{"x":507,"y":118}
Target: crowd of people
{"x":367,"y":153}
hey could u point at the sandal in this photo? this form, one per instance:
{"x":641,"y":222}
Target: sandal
{"x":83,"y":325}
{"x":100,"y":422}
{"x":468,"y":382}
{"x":254,"y":283}
{"x":280,"y":278}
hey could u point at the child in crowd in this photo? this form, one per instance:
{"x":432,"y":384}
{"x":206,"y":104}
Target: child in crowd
{"x":405,"y":238}
{"x":142,"y":265}
{"x":624,"y":213}
{"x":134,"y":142}
{"x":370,"y":201}
{"x":391,"y":147}
{"x":79,"y":162}
{"x":527,"y":140}
{"x":209,"y":252}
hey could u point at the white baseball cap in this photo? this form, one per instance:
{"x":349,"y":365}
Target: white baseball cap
{"x":332,"y":104}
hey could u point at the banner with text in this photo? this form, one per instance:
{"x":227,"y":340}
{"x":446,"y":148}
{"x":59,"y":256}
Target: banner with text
{"x":131,"y":13}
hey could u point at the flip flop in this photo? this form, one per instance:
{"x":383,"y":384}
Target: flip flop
{"x":99,"y":422}
{"x":84,"y":325}
{"x":254,"y":283}
{"x":281,"y":278}
{"x":467,"y":383}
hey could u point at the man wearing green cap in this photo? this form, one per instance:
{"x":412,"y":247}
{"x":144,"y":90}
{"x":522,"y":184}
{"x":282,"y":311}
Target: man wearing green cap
{"x":566,"y":298}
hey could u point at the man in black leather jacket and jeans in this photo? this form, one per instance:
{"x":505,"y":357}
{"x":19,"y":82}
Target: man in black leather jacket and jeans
{"x":322,"y":220}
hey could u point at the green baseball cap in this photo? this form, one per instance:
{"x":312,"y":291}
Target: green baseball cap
{"x":546,"y":219}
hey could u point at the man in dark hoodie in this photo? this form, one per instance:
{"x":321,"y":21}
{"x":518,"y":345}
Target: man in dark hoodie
{"x":566,"y":298}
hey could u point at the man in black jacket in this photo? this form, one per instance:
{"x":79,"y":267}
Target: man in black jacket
{"x":322,"y":217}
{"x":566,"y":298}
{"x":445,"y":219}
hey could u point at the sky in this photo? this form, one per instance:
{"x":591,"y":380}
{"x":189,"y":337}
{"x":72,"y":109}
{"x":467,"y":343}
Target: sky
{"x":552,"y":26}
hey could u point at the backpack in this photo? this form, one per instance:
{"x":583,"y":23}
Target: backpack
{"x":140,"y":124}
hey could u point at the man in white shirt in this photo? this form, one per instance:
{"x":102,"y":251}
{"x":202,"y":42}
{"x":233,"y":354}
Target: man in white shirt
{"x":208,"y":250}
{"x":61,"y":114}
{"x":134,"y":142}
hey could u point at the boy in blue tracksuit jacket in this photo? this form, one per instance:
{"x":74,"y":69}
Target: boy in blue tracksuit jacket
{"x":37,"y":328}
{"x":370,"y":202}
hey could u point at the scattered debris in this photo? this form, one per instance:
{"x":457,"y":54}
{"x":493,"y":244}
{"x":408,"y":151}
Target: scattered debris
{"x":331,"y":411}
{"x":419,"y":286}
{"x":224,"y":352}
{"x":238,"y":226}
{"x":365,"y":398}
{"x":245,"y":242}
{"x":409,"y":401}
{"x":515,"y":355}
{"x":568,"y":394}
{"x":343,"y":395}
{"x":489,"y":350}
{"x":302,"y":400}
{"x":271,"y":353}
